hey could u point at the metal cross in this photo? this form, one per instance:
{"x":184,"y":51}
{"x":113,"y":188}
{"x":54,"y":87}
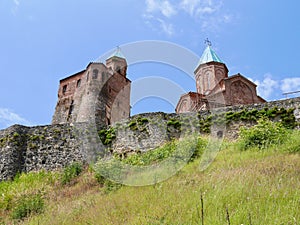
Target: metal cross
{"x":207,"y":42}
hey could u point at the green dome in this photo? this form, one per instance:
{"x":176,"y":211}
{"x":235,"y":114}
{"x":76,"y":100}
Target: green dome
{"x":209,"y":56}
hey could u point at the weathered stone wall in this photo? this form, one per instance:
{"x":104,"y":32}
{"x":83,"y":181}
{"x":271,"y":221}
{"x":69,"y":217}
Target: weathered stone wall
{"x":233,"y":128}
{"x":24,"y":149}
{"x":157,"y":128}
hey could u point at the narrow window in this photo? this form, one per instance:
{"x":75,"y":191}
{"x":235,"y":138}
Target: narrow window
{"x":78,"y":83}
{"x":64,"y":89}
{"x":118,"y":69}
{"x":71,"y":108}
{"x":103,"y":76}
{"x":95,"y":74}
{"x":87,"y":76}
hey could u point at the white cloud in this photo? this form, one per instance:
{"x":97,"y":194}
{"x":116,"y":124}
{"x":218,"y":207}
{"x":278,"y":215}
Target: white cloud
{"x":290,"y":84}
{"x":267,"y":86}
{"x":189,"y":6}
{"x":17,"y":2}
{"x":209,"y":14}
{"x":164,"y":7}
{"x":199,"y":8}
{"x":8,"y":118}
{"x":166,"y":27}
{"x":16,"y":6}
{"x":270,"y":88}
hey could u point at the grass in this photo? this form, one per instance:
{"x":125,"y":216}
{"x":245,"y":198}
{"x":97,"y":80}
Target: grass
{"x":244,"y":187}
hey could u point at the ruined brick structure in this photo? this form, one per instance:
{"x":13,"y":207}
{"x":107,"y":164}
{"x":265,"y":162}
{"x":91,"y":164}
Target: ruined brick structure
{"x":215,"y":88}
{"x":99,"y":94}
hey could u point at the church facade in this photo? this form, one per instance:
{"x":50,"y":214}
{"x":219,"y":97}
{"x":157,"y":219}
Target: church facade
{"x":215,"y":88}
{"x":99,"y":94}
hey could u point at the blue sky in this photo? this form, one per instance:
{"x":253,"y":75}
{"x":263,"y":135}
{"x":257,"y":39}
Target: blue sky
{"x":44,"y":41}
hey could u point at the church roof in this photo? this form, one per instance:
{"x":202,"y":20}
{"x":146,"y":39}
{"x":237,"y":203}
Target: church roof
{"x":209,"y":55}
{"x":117,"y":53}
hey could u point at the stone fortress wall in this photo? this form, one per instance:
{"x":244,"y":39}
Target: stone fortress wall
{"x":25,"y":149}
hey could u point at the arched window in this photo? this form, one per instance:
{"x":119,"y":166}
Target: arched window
{"x":64,"y":89}
{"x":95,"y":74}
{"x":78,"y":83}
{"x":208,"y":81}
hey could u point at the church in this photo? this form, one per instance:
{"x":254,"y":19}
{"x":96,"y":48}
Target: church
{"x":99,"y":94}
{"x":215,"y":88}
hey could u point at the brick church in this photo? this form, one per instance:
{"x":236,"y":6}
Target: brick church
{"x":99,"y":94}
{"x":215,"y":88}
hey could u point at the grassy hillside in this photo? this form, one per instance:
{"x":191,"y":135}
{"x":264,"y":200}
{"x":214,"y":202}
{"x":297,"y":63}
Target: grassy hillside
{"x":246,"y":184}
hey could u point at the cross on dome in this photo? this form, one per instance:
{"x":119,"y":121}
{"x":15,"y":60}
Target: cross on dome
{"x":207,"y":42}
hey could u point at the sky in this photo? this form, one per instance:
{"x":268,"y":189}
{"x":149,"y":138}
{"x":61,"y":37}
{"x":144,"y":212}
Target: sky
{"x":42,"y":42}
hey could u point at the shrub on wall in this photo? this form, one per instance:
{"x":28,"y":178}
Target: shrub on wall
{"x":107,"y":135}
{"x":262,"y":135}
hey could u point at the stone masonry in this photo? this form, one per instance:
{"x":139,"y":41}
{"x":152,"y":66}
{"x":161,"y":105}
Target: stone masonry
{"x":25,"y":149}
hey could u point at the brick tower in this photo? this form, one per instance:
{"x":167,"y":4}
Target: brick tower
{"x":99,"y":94}
{"x":215,"y":88}
{"x":209,"y":72}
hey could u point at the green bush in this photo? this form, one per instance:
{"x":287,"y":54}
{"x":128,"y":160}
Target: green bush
{"x":200,"y":147}
{"x":107,"y":136}
{"x":152,"y":156}
{"x":262,"y":135}
{"x":70,"y":172}
{"x":175,"y":123}
{"x":174,"y":148}
{"x":27,"y":205}
{"x":106,"y":171}
{"x":292,"y":144}
{"x":6,"y":201}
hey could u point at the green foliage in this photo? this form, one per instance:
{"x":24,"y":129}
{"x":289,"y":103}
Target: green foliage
{"x":110,"y":186}
{"x":292,"y":143}
{"x":200,"y":147}
{"x":57,"y":131}
{"x":6,"y":202}
{"x":22,"y":195}
{"x":175,"y":148}
{"x":205,"y":124}
{"x":3,"y":141}
{"x":142,"y":121}
{"x":27,"y":205}
{"x":32,"y":145}
{"x":138,"y":124}
{"x":106,"y":171}
{"x":175,"y":123}
{"x":262,"y":135}
{"x":109,"y":170}
{"x":132,"y":125}
{"x":151,"y":157}
{"x":107,"y":135}
{"x":284,"y":116}
{"x":16,"y":135}
{"x":71,"y":172}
